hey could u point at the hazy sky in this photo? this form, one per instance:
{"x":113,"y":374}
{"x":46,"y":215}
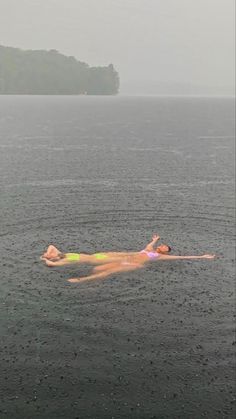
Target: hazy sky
{"x":164,"y":40}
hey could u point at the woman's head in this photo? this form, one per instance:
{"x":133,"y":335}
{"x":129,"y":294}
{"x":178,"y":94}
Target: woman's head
{"x":163,"y":248}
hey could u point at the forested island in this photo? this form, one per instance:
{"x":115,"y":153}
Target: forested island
{"x":42,"y":72}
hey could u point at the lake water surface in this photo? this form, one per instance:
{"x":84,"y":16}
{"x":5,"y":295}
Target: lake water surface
{"x":105,"y":173}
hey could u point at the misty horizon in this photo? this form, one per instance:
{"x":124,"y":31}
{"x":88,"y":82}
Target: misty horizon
{"x":189,"y":44}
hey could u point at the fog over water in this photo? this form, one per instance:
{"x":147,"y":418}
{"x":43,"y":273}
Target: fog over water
{"x":179,"y":47}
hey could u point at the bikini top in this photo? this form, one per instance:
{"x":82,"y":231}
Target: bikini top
{"x":151,"y":255}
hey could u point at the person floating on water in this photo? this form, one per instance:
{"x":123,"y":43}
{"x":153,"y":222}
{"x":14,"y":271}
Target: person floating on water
{"x":113,"y":262}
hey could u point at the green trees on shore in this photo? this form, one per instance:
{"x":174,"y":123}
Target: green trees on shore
{"x":49,"y":72}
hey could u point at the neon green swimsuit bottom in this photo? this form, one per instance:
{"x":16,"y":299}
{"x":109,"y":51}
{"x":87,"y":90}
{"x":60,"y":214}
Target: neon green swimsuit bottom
{"x":74,"y":257}
{"x":100,"y":256}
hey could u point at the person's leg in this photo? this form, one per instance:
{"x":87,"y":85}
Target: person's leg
{"x":64,"y":259}
{"x":105,"y":267}
{"x":60,"y":262}
{"x":107,"y":271}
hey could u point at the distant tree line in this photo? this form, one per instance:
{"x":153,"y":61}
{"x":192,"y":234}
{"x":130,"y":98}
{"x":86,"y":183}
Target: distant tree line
{"x":51,"y":73}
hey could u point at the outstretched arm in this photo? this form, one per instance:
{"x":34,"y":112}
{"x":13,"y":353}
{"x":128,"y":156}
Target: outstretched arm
{"x":150,"y":246}
{"x":167,"y":257}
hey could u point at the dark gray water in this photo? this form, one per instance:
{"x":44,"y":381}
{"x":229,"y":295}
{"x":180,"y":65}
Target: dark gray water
{"x":91,"y":174}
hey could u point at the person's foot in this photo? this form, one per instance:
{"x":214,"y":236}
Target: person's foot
{"x":73,"y":280}
{"x":209,"y":256}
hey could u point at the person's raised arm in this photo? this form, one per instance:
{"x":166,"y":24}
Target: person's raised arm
{"x":167,"y":257}
{"x":150,"y":246}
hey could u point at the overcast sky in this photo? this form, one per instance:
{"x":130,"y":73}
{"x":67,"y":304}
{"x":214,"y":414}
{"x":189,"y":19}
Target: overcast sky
{"x":164,"y":40}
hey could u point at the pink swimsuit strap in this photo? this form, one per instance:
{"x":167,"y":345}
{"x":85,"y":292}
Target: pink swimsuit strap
{"x":151,"y":255}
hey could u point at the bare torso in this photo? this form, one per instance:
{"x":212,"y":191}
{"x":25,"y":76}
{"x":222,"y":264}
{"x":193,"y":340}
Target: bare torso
{"x":109,"y":257}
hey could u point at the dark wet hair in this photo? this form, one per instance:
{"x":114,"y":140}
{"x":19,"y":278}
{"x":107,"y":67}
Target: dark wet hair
{"x":169,"y":248}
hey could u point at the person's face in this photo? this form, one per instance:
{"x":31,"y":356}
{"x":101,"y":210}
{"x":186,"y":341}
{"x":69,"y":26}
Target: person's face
{"x":163,"y":248}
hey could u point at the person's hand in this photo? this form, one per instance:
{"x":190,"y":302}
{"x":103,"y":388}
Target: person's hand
{"x":209,"y":256}
{"x":73,"y":280}
{"x":155,"y":237}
